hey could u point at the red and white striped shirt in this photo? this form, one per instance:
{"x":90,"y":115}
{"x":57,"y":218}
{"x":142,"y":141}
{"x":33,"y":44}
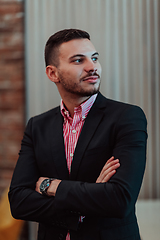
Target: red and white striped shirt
{"x":72,"y":128}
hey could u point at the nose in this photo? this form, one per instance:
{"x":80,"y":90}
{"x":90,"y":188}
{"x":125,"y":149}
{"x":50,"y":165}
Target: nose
{"x":90,"y":66}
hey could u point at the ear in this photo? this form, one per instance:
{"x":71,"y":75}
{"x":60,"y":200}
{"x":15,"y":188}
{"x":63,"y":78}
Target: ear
{"x":52,"y":73}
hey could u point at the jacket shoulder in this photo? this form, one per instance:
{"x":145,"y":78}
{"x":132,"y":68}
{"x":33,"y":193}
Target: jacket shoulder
{"x":46,"y":114}
{"x":118,"y":106}
{"x":44,"y":118}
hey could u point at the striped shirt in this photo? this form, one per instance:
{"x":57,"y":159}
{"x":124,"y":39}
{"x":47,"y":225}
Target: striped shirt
{"x":72,"y":128}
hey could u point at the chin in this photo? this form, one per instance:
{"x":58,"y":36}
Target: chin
{"x":89,"y":92}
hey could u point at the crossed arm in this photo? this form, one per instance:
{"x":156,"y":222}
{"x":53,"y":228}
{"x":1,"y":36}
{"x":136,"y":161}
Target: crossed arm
{"x":106,"y":173}
{"x":115,"y":198}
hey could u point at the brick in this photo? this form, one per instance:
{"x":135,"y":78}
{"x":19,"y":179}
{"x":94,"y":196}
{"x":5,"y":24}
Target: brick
{"x":11,"y":55}
{"x":16,"y":84}
{"x":11,"y":40}
{"x":12,"y":81}
{"x":11,"y":99}
{"x":8,"y":7}
{"x":10,"y":118}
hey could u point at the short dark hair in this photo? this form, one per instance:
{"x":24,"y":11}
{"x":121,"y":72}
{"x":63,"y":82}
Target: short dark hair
{"x":53,"y":43}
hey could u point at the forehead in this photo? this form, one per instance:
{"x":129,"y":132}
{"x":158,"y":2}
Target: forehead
{"x":76,"y":46}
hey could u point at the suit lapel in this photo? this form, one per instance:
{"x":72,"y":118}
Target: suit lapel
{"x":57,"y":146}
{"x":91,"y":123}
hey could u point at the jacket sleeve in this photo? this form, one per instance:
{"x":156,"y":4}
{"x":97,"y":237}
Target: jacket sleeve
{"x":25,"y":202}
{"x":116,"y":198}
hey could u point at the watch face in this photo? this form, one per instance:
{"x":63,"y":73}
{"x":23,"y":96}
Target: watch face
{"x":44,"y":185}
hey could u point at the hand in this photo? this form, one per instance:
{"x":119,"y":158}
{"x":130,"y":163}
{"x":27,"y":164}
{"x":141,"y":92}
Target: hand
{"x":51,"y":191}
{"x":38,"y":183}
{"x":108,"y":170}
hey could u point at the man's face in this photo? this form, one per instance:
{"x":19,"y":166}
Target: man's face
{"x":79,"y":70}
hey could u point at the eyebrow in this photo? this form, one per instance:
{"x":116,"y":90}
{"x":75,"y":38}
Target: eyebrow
{"x":81,"y":55}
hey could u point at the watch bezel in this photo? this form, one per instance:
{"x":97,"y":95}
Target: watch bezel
{"x":45,"y":185}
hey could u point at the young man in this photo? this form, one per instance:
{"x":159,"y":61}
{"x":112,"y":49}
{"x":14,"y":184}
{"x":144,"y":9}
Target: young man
{"x":63,"y":178}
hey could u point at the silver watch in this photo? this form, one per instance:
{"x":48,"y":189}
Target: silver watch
{"x":45,"y":185}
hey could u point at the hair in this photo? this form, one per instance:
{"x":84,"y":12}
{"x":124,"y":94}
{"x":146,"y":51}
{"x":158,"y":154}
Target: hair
{"x":54,"y":42}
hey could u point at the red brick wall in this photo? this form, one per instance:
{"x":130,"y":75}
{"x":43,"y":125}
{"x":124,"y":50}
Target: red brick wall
{"x":12,"y":99}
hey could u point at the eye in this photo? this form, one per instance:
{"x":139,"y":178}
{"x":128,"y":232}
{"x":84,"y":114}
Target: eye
{"x":94,"y":59}
{"x":78,"y":60}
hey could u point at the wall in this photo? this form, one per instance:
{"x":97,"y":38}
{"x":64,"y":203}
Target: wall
{"x":12,"y":100}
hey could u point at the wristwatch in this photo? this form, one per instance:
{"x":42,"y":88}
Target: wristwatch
{"x":45,"y":185}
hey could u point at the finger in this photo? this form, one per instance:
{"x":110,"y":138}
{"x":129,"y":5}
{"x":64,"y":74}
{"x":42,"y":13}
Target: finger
{"x":110,"y":169}
{"x":107,"y":171}
{"x":108,"y":161}
{"x":110,"y":164}
{"x":108,"y":176}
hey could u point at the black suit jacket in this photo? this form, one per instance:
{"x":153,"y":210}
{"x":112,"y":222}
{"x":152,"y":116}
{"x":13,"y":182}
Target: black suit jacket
{"x":110,"y":129}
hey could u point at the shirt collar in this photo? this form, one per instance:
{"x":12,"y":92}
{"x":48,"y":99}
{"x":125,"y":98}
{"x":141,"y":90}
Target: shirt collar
{"x":83,"y":108}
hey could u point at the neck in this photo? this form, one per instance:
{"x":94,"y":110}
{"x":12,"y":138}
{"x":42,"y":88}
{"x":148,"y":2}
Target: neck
{"x":71,"y":103}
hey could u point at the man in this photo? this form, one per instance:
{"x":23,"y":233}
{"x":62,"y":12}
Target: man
{"x":63,"y":178}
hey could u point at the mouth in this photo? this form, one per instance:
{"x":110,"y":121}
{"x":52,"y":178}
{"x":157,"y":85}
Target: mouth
{"x":91,"y":79}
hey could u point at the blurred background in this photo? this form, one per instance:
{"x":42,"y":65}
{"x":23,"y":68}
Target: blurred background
{"x":126,"y":33}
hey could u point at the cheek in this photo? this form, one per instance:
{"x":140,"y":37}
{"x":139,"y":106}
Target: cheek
{"x":75,"y":73}
{"x":99,"y":68}
{"x":72,"y":73}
